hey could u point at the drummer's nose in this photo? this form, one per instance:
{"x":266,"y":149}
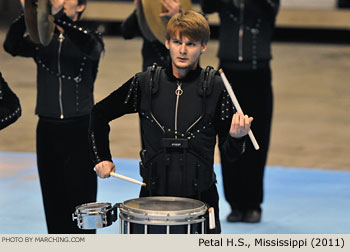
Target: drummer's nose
{"x":183,"y":48}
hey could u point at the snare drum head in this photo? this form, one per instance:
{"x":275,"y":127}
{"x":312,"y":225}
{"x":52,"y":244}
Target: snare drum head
{"x":164,"y":207}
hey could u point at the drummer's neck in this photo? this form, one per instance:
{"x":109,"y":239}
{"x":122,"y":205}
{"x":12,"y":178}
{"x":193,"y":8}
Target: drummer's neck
{"x":181,"y":73}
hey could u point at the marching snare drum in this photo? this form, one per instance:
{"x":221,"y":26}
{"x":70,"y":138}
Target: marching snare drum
{"x":94,"y":215}
{"x":162,"y":215}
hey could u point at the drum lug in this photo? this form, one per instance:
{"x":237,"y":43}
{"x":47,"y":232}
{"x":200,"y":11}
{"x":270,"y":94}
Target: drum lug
{"x":104,"y":220}
{"x":115,"y":211}
{"x":79,"y":220}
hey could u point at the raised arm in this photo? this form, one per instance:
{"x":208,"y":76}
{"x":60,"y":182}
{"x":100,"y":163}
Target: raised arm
{"x":16,"y":43}
{"x":232,"y":128}
{"x":89,"y":42}
{"x":130,"y":26}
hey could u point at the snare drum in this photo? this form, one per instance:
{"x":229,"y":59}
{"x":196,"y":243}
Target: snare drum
{"x":163,"y":215}
{"x":94,"y":215}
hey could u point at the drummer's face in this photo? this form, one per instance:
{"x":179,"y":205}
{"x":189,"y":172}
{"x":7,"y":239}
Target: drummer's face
{"x":71,"y":8}
{"x":184,"y":52}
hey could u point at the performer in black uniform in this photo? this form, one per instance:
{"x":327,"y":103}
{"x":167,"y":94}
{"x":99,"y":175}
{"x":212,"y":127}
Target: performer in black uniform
{"x":246,"y":28}
{"x":182,"y":109}
{"x":66,"y":72}
{"x":10,"y":108}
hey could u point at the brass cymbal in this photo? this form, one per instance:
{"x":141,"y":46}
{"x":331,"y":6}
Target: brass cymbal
{"x":30,"y":14}
{"x":45,"y":20}
{"x":152,"y":25}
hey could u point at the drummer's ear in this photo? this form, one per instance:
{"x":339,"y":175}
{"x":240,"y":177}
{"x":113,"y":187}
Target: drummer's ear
{"x":81,"y":8}
{"x":204,"y":47}
{"x":167,"y":43}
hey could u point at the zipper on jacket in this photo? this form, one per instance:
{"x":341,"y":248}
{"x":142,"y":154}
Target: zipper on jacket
{"x":160,"y":126}
{"x":193,"y":124}
{"x":60,"y":40}
{"x":178,"y":93}
{"x":241,"y":31}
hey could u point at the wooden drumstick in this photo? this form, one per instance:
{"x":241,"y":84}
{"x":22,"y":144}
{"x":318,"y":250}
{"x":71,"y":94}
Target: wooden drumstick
{"x":236,"y":104}
{"x":116,"y":175}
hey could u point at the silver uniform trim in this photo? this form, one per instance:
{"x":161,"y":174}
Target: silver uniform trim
{"x":60,"y":39}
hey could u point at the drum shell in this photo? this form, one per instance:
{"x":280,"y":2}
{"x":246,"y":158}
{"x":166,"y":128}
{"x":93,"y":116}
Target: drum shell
{"x":129,"y":227}
{"x":94,"y":215}
{"x":137,"y":216}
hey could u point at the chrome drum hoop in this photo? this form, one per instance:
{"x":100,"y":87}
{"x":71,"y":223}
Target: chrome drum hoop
{"x":94,"y":215}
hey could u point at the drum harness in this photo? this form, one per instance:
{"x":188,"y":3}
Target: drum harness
{"x":158,"y":179}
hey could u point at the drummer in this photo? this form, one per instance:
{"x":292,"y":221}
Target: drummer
{"x":182,"y":109}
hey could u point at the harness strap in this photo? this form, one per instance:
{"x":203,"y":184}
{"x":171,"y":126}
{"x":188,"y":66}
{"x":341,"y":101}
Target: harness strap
{"x":153,"y":75}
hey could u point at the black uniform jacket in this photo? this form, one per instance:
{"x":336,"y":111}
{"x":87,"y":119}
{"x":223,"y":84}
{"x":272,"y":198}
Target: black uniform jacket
{"x":66,"y":68}
{"x":10,"y":108}
{"x":164,"y":115}
{"x":246,"y":28}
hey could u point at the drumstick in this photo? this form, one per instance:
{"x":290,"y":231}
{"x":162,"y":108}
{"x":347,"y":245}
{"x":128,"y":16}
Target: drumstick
{"x":236,"y":104}
{"x":211,"y":218}
{"x":127,"y":178}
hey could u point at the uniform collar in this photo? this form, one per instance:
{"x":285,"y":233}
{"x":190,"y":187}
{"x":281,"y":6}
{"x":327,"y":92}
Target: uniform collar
{"x":191,"y":75}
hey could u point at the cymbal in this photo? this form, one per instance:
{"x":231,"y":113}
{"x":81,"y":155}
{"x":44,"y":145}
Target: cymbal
{"x":141,"y":19}
{"x":45,"y":20}
{"x":30,"y":14}
{"x":152,"y":25}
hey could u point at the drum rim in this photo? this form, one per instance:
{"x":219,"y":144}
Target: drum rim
{"x":95,"y":218}
{"x":163,"y":215}
{"x":106,"y":206}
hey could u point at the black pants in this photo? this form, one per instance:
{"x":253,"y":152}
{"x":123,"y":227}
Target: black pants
{"x":66,"y":171}
{"x":243,"y":179}
{"x":210,"y":197}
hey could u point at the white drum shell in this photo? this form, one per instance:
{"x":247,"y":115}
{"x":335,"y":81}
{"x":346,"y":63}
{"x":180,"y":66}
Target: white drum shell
{"x":93,"y":215}
{"x":162,"y":211}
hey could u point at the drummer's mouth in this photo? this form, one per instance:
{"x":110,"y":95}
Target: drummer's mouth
{"x":182,"y":59}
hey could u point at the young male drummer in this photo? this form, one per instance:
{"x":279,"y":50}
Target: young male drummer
{"x":181,"y":108}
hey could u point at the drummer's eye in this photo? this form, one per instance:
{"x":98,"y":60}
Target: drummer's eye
{"x":190,"y":43}
{"x":175,"y":41}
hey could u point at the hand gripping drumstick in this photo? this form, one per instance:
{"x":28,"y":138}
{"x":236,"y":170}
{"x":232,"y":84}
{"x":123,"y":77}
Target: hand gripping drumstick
{"x":236,"y":104}
{"x":127,"y":178}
